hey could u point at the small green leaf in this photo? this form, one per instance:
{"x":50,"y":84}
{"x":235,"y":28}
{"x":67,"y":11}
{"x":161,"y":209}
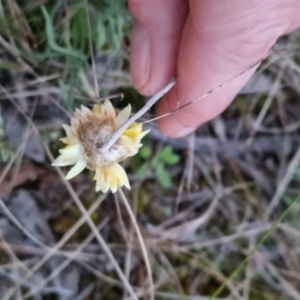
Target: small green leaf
{"x":163,"y":176}
{"x":142,"y":171}
{"x":168,"y":156}
{"x":145,"y":152}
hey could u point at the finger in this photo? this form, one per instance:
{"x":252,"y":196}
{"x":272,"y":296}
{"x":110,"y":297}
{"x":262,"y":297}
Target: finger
{"x":154,"y":42}
{"x":219,"y":42}
{"x":295,"y":20}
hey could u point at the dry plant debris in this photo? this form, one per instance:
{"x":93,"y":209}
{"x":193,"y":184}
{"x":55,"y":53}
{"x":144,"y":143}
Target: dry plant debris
{"x":228,"y":184}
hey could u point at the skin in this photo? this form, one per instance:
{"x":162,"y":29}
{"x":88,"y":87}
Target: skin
{"x":204,"y":43}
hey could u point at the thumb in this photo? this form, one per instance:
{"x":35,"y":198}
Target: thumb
{"x":219,"y":42}
{"x":154,"y":42}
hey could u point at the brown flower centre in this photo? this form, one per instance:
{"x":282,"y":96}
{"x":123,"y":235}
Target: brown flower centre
{"x":92,"y":133}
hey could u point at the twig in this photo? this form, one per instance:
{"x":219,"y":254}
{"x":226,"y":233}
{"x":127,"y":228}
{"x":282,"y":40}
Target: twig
{"x":206,"y":94}
{"x":128,"y":256}
{"x":274,"y":89}
{"x":157,"y":96}
{"x":97,"y":234}
{"x":63,"y":265}
{"x":141,"y":241}
{"x":136,"y":116}
{"x":230,"y":238}
{"x":51,"y":251}
{"x":283,"y":184}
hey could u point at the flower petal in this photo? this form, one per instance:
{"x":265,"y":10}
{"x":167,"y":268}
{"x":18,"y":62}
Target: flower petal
{"x":102,"y":186}
{"x":75,"y":121}
{"x":123,"y":115}
{"x":72,"y":140}
{"x":111,"y":177}
{"x":133,"y":131}
{"x":103,"y":178}
{"x":70,"y":133}
{"x":114,"y":183}
{"x":141,"y":135}
{"x":66,"y":140}
{"x":118,"y":171}
{"x":69,"y":156}
{"x":107,"y":106}
{"x":85,"y":110}
{"x":68,"y":129}
{"x":73,"y":150}
{"x":65,"y":160}
{"x":97,"y":110}
{"x":77,"y":113}
{"x":136,"y":126}
{"x":130,"y":145}
{"x":79,"y":167}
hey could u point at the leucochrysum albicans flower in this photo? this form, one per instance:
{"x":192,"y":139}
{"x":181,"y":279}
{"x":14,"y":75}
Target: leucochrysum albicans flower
{"x":88,"y":132}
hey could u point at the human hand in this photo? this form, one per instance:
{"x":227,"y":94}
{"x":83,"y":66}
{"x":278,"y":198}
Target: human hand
{"x":205,"y":43}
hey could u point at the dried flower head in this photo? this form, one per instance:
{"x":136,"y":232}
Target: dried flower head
{"x":88,"y":132}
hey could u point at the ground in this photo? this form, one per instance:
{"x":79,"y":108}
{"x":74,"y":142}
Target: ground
{"x":218,"y":210}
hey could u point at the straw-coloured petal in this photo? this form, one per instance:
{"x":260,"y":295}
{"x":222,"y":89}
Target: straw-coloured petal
{"x":78,"y":168}
{"x":130,"y":144}
{"x":123,"y":115}
{"x":109,"y":109}
{"x":120,"y":174}
{"x":68,"y":141}
{"x":142,"y":134}
{"x":113,"y":183}
{"x":65,"y":160}
{"x":72,"y":150}
{"x":111,"y":177}
{"x":68,"y":129}
{"x":103,"y":179}
{"x":133,"y":131}
{"x":85,"y":110}
{"x":102,"y":186}
{"x":97,"y":110}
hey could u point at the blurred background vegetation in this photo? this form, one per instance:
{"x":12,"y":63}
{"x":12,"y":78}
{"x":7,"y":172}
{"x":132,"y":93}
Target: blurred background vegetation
{"x":202,"y":202}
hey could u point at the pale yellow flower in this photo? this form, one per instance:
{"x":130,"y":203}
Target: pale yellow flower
{"x":89,"y":130}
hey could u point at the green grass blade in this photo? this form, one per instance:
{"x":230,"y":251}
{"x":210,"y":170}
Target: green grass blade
{"x":51,"y":39}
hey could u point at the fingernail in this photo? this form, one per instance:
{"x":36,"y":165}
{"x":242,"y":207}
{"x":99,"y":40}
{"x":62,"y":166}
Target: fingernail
{"x":140,"y":55}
